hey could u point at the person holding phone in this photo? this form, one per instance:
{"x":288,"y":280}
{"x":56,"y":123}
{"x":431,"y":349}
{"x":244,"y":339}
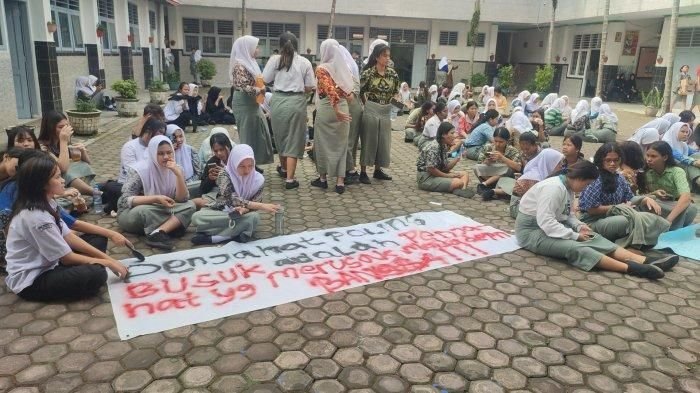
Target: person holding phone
{"x":221,"y":146}
{"x":547,"y":225}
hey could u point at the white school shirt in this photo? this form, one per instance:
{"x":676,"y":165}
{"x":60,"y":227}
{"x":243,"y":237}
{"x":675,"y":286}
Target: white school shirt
{"x":173,"y":109}
{"x":34,"y":246}
{"x":132,"y":152}
{"x":299,"y":76}
{"x":431,"y":126}
{"x":552,"y":204}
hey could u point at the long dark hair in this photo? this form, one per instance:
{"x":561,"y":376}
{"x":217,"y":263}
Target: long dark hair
{"x":22,"y":155}
{"x":288,"y":45}
{"x":582,"y":170}
{"x":220,"y":139}
{"x":632,"y":154}
{"x":153,"y":127}
{"x":378,"y":50}
{"x":577,"y":142}
{"x":502,"y":132}
{"x":154,"y":110}
{"x":32,"y":178}
{"x":444,"y":129}
{"x":21,"y":132}
{"x":608,"y":179}
{"x":48,"y":134}
{"x":488,"y":115}
{"x":664,"y":149}
{"x":426,"y":107}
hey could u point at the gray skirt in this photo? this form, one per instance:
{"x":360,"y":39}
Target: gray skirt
{"x":217,"y":222}
{"x":330,"y":139}
{"x":354,"y":134}
{"x":289,"y":123}
{"x":252,"y":127}
{"x":583,"y":255}
{"x":376,"y":135}
{"x":147,"y":218}
{"x":428,"y":182}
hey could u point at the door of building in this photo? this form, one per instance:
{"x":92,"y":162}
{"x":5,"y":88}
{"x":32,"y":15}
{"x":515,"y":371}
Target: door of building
{"x":21,"y":54}
{"x":402,"y":55}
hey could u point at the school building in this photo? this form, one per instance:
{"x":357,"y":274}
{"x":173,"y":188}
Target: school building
{"x":46,"y":44}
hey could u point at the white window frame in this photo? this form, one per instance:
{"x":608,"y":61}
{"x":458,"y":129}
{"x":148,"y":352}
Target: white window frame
{"x":582,"y":47}
{"x":688,"y":37}
{"x":134,"y":27}
{"x":109,"y":39}
{"x":269,"y":43}
{"x":72,"y":13}
{"x":223,"y":41}
{"x":349,"y":42}
{"x":448,"y":38}
{"x":480,"y":40}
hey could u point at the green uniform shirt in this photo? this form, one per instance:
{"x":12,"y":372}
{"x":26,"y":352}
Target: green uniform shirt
{"x":672,"y":180}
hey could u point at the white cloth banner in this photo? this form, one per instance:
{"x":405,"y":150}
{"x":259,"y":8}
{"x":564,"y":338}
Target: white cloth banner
{"x":182,"y":288}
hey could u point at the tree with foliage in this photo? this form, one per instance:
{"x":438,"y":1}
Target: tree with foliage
{"x":474,"y":33}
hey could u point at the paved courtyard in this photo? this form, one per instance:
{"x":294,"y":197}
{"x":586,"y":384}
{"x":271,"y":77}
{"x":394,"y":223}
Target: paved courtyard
{"x":512,"y":323}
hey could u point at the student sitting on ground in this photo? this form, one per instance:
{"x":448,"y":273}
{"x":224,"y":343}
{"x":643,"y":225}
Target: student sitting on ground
{"x":23,"y":138}
{"x":154,"y":198}
{"x":87,"y":88}
{"x":457,"y":118}
{"x":668,"y":182}
{"x":416,"y":120}
{"x":45,"y":260}
{"x":579,"y":121}
{"x":431,"y":126}
{"x":54,"y":138}
{"x":607,"y":205}
{"x":150,"y":111}
{"x":548,"y":100}
{"x":501,"y":101}
{"x":650,"y":132}
{"x":571,"y":148}
{"x":471,"y":115}
{"x":553,"y":119}
{"x":221,"y":147}
{"x":216,"y":108}
{"x":497,"y":159}
{"x":547,"y":225}
{"x":234,"y":215}
{"x":604,"y":128}
{"x":205,"y":152}
{"x":481,"y":135}
{"x":434,"y":168}
{"x":195,"y":103}
{"x":186,"y":158}
{"x":677,"y":138}
{"x":533,"y":104}
{"x":520,"y":101}
{"x":632,"y":167}
{"x":529,"y":148}
{"x":596,"y":103}
{"x":177,"y":111}
{"x":546,"y":164}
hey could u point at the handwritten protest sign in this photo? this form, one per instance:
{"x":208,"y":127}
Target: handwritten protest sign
{"x":187,"y":287}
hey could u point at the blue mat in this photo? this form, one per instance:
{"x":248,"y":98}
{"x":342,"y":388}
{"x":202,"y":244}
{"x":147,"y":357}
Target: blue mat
{"x":682,"y":241}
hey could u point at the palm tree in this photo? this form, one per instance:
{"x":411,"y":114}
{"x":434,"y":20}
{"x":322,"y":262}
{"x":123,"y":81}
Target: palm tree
{"x":551,"y":32}
{"x":603,"y":44}
{"x":474,"y":34}
{"x":332,"y":21}
{"x":673,"y":31}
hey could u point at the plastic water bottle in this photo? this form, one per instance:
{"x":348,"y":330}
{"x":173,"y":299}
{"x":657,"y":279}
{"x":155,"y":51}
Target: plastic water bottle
{"x":97,"y":199}
{"x":279,"y":221}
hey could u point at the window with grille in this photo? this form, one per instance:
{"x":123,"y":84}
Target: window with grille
{"x":273,"y":30}
{"x":582,"y":46}
{"x":133,"y":11}
{"x":400,"y":35}
{"x":152,"y":19}
{"x":351,"y":37}
{"x":105,"y":10}
{"x":66,"y":15}
{"x":688,"y":37}
{"x":209,"y":35}
{"x":448,"y":38}
{"x":480,"y":40}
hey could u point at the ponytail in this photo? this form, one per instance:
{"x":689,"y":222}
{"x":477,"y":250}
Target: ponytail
{"x":288,"y":45}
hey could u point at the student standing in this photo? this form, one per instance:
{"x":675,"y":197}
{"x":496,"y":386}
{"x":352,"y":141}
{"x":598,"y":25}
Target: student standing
{"x":378,"y":84}
{"x":292,"y":77}
{"x":247,"y":82}
{"x":41,"y":262}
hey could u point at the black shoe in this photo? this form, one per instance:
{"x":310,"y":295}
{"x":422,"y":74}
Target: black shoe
{"x":488,"y":194}
{"x":259,"y":170}
{"x":291,"y":184}
{"x":320,"y":183}
{"x":201,"y":238}
{"x":480,"y":188}
{"x":243,"y":238}
{"x":664,"y":263}
{"x":339,"y":189}
{"x":642,"y":270}
{"x":407,"y":140}
{"x":281,"y":172}
{"x":159,"y":240}
{"x":352,"y":177}
{"x":364,"y":179}
{"x":380,"y":175}
{"x":179,"y":232}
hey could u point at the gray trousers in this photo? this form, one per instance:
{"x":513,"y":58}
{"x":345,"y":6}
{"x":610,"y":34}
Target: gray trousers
{"x":147,"y":218}
{"x":603,"y":135}
{"x":684,"y":219}
{"x":216,"y":222}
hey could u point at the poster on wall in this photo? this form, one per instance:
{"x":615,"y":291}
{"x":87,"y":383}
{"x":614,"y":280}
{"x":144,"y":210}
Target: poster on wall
{"x":630,"y":45}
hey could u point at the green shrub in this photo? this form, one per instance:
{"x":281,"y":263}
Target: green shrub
{"x":171,"y":76}
{"x":158,"y":85}
{"x":125,"y":88}
{"x":653,"y":98}
{"x":206,"y":69}
{"x":85,"y":106}
{"x":478,"y":79}
{"x":544,"y":76}
{"x":505,"y":77}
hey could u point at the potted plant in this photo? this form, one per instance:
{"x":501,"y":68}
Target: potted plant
{"x":172,"y":78}
{"x":51,"y":26}
{"x":126,"y":101}
{"x":478,"y":80}
{"x":544,"y":76}
{"x":100,"y":30}
{"x":505,"y":78}
{"x":85,"y":118}
{"x":207,"y":71}
{"x":159,"y":92}
{"x":652,"y":101}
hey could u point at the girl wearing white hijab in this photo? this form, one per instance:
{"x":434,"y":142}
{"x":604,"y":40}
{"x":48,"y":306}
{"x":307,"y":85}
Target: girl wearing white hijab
{"x":433,"y":90}
{"x":660,"y":125}
{"x":596,"y":102}
{"x":154,"y":198}
{"x":677,"y":138}
{"x":483,"y":96}
{"x":532,"y":104}
{"x":553,"y":120}
{"x":195,"y":103}
{"x":251,"y":122}
{"x":332,"y":125}
{"x":457,"y":118}
{"x":186,"y":157}
{"x":457,"y":93}
{"x":605,"y":126}
{"x":87,"y":88}
{"x":543,"y":165}
{"x":579,"y":121}
{"x":371,"y":49}
{"x":671,"y":118}
{"x":566,"y":111}
{"x":205,"y":152}
{"x":520,"y":100}
{"x":234,"y":215}
{"x":548,"y":100}
{"x":645,"y":137}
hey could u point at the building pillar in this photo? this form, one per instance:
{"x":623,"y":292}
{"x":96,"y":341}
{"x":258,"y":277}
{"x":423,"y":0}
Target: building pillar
{"x":121,"y":27}
{"x":45,"y":56}
{"x":89,"y":18}
{"x":127,"y":62}
{"x":145,"y":44}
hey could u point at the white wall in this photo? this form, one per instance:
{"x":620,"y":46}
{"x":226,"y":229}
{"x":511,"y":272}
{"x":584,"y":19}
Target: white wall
{"x":8,"y":105}
{"x":683,"y":21}
{"x":69,"y":69}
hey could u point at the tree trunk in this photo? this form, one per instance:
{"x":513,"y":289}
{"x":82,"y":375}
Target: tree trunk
{"x":668,"y":81}
{"x":243,"y":18}
{"x":548,"y":59}
{"x":474,"y":33}
{"x":332,"y":21}
{"x":603,"y":46}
